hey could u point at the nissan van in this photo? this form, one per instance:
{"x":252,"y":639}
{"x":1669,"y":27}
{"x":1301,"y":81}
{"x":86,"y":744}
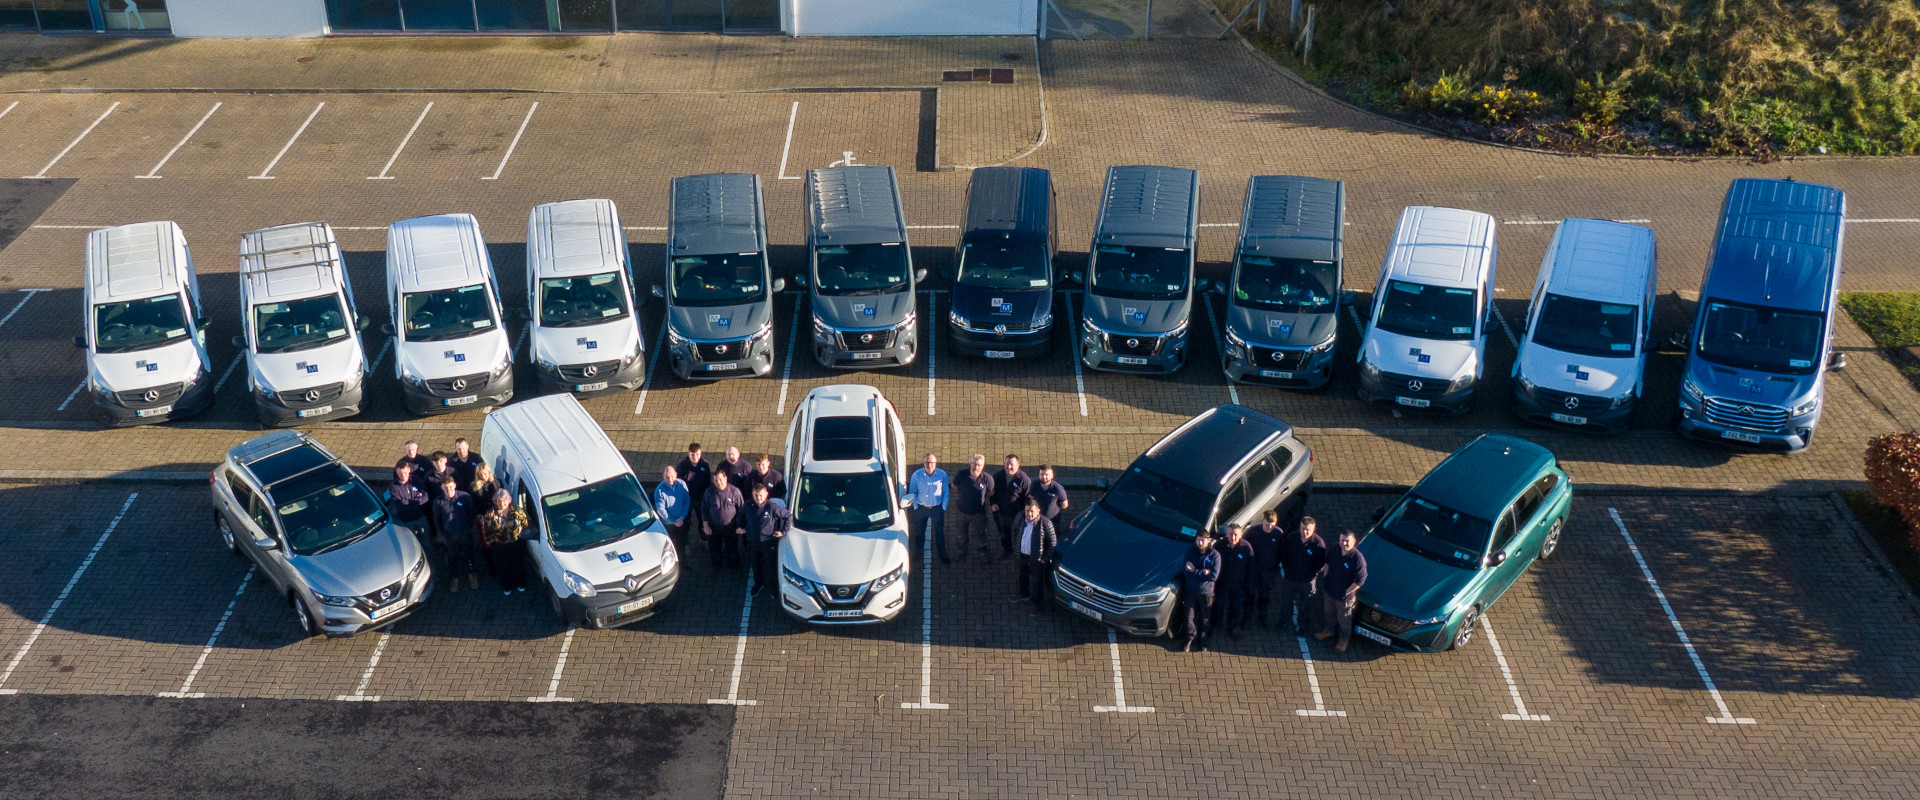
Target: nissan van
{"x":1139,"y":274}
{"x":1283,"y":298}
{"x":719,"y":285}
{"x":860,"y":269}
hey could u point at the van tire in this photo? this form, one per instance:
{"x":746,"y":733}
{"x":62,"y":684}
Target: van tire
{"x":559,"y":611}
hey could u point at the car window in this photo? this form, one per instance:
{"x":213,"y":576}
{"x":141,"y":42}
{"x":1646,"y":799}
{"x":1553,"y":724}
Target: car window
{"x":1263,"y":473}
{"x":243,"y":497}
{"x":1530,"y":501}
{"x":262,"y":516}
{"x":1232,"y":500}
{"x":525,"y":502}
{"x":1503,"y":532}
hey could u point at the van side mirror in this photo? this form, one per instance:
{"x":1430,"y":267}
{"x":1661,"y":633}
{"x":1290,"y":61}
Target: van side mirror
{"x":386,"y":328}
{"x":1836,"y":361}
{"x":1680,"y":342}
{"x":779,"y":285}
{"x":1218,"y":287}
{"x":919,"y":274}
{"x":360,"y":322}
{"x":1497,"y":558}
{"x":202,"y":324}
{"x":266,"y":543}
{"x":80,"y":342}
{"x":1379,"y":513}
{"x":240,"y":342}
{"x":800,"y":281}
{"x":1102,"y":482}
{"x":1076,"y":276}
{"x":661,"y":291}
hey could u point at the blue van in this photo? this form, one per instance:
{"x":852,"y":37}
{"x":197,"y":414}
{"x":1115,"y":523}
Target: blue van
{"x":1762,"y":341}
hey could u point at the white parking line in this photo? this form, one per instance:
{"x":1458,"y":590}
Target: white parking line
{"x":643,"y":228}
{"x":229,"y":373}
{"x":933,"y":342}
{"x":73,"y":394}
{"x":740,"y":655}
{"x":155,"y":172}
{"x":553,"y":686}
{"x":1513,"y":687}
{"x":1220,"y":341}
{"x":383,"y":176}
{"x":659,"y":352}
{"x":933,"y":227}
{"x":186,"y":687}
{"x":10,"y":108}
{"x":384,"y":347}
{"x":791,"y":116}
{"x":267,"y":174}
{"x":17,"y":306}
{"x":1504,"y":328}
{"x":926,"y":629}
{"x":45,"y":618}
{"x":524,"y":330}
{"x":1886,"y":219}
{"x":1073,"y":352}
{"x":76,"y":140}
{"x":786,"y":371}
{"x":515,"y":143}
{"x":360,"y":692}
{"x":1726,"y":714}
{"x":1119,"y":683}
{"x":1313,"y":682}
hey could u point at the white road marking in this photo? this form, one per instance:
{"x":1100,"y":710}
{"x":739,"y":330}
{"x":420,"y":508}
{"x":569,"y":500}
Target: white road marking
{"x":933,"y":227}
{"x":659,"y":352}
{"x":267,"y":174}
{"x":73,"y":394}
{"x":383,"y":176}
{"x":3,"y":114}
{"x":1504,"y":328}
{"x":1219,"y":224}
{"x":784,"y":149}
{"x":384,"y":347}
{"x":1073,"y":352}
{"x":76,"y":141}
{"x":643,"y":228}
{"x":524,"y":330}
{"x":57,"y":601}
{"x":155,"y":172}
{"x":229,"y":373}
{"x":846,"y":160}
{"x":70,"y":227}
{"x":740,"y":655}
{"x":1119,"y":683}
{"x":926,"y":629}
{"x":1513,"y":687}
{"x":786,"y":371}
{"x":1886,"y":219}
{"x":553,"y":686}
{"x":515,"y":143}
{"x":360,"y":692}
{"x":933,"y":343}
{"x":1313,"y":682}
{"x":1726,"y":715}
{"x":17,"y":306}
{"x":1220,"y":341}
{"x":186,"y":687}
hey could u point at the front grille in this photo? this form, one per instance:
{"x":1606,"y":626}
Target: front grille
{"x":1275,"y":358}
{"x":1413,"y":385}
{"x":721,"y":351}
{"x":1074,"y":586}
{"x":318,"y":395}
{"x":161,"y":395}
{"x":395,"y":593}
{"x":1382,"y":620}
{"x":866,"y":340}
{"x":1568,"y":403}
{"x":640,"y":582}
{"x":457,"y":387}
{"x":843,"y":595}
{"x":1126,"y":345}
{"x":1746,"y":416}
{"x":587,"y":373}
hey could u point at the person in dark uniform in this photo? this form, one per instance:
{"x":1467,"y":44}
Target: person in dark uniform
{"x":764,"y":474}
{"x":674,"y":501}
{"x":1052,"y":496}
{"x":1011,"y":488}
{"x":1340,"y":582}
{"x":764,"y":522}
{"x":1302,"y":555}
{"x":454,"y":511}
{"x":463,"y":462}
{"x":1200,"y":573}
{"x":1237,"y":563}
{"x":720,"y":520}
{"x":421,"y":463}
{"x":406,"y":503}
{"x":973,"y":502}
{"x":1035,"y":540}
{"x":483,"y":487}
{"x":698,"y":474}
{"x":1267,"y":539}
{"x":437,"y":473}
{"x":737,"y":468}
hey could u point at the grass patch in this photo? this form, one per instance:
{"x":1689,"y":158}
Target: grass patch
{"x":1888,"y":531}
{"x":1892,"y":321}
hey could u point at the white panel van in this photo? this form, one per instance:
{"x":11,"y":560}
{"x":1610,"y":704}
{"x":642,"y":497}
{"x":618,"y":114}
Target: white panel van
{"x":1426,"y":340}
{"x":145,"y":337}
{"x":300,"y":332}
{"x":1584,"y":341}
{"x":450,"y":348}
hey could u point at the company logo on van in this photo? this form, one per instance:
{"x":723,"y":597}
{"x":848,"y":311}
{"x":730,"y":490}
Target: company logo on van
{"x":150,"y":366}
{"x":865,"y":310}
{"x":587,"y":343}
{"x":1134,"y":315}
{"x":1577,"y":373}
{"x":1001,"y":305}
{"x":720,"y":321}
{"x":1284,"y":328}
{"x":457,"y":357}
{"x":1419,"y":356}
{"x":306,"y":367}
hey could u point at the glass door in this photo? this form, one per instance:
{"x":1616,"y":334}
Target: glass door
{"x":753,"y":15}
{"x":17,"y":14}
{"x":437,"y":15}
{"x":135,"y":15}
{"x":585,"y":15}
{"x":363,"y":15}
{"x":66,"y":15}
{"x":512,"y":15}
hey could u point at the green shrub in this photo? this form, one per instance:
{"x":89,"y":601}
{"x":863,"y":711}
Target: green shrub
{"x":1495,"y":105}
{"x":1447,"y":95}
{"x":1599,"y":102}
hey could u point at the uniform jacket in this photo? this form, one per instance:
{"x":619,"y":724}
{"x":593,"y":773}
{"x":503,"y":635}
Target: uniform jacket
{"x":462,"y":469}
{"x":766,"y":523}
{"x":1202,"y":570}
{"x":1010,"y":492}
{"x":1236,"y":563}
{"x":719,"y":507}
{"x":1052,"y":497}
{"x":406,"y":502}
{"x":1301,"y":560}
{"x":737,"y":471}
{"x":455,"y":515}
{"x":1267,"y":546}
{"x":1344,"y":572}
{"x":970,"y":494}
{"x":775,"y":482}
{"x":698,"y":476}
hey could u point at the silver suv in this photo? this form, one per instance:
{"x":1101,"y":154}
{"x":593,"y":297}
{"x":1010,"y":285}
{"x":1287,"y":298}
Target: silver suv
{"x":319,"y":533}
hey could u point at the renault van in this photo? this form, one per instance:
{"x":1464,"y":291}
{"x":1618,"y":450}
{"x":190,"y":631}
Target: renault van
{"x":719,"y":286}
{"x":1283,"y":299}
{"x":145,"y":337}
{"x":301,"y":334}
{"x":451,"y":349}
{"x":601,"y":551}
{"x":845,"y":558}
{"x":1762,"y":342}
{"x":1583,"y":344}
{"x":1426,"y":341}
{"x":1140,"y":271}
{"x":580,"y":301}
{"x":860,"y":269}
{"x":1003,"y":278}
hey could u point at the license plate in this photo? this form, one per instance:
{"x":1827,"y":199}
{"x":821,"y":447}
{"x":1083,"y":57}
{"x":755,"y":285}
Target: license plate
{"x":633,"y":606}
{"x":999,"y":353}
{"x":1371,"y":635}
{"x":383,"y":613}
{"x":724,"y":366}
{"x":314,"y":412}
{"x":1274,"y":373}
{"x":867,"y":356}
{"x":1415,"y":402}
{"x":462,"y":401}
{"x":1131,"y":360}
{"x":153,"y":412}
{"x":1741,"y":436}
{"x":1569,"y":419}
{"x":1085,"y":610}
{"x":847,"y":613}
{"x":590,"y":387}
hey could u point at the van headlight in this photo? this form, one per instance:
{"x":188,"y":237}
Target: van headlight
{"x":822,"y":331}
{"x":504,"y":368}
{"x":669,"y":558}
{"x":764,"y":332}
{"x":407,"y":377}
{"x":1525,"y":385}
{"x":907,"y":324}
{"x":1621,"y":401}
{"x":1045,"y":321}
{"x":1692,"y":391}
{"x":1807,"y":407}
{"x":1369,"y":371}
{"x":578,"y":585}
{"x":1178,"y":330}
{"x":1088,"y":326}
{"x":1235,"y":344}
{"x":1321,"y":347}
{"x":1459,"y":382}
{"x":1154,"y":598}
{"x":890,"y":578}
{"x":955,"y":318}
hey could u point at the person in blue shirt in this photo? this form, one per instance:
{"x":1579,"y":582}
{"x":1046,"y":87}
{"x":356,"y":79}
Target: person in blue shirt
{"x":1200,"y":573}
{"x":1340,"y":582}
{"x":674,"y":501}
{"x":928,"y":513}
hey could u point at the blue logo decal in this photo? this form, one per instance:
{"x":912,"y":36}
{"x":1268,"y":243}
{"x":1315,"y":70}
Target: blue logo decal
{"x":457,"y":357}
{"x":1576,"y":373}
{"x":306,"y":367}
{"x":1001,"y":305}
{"x":626,"y":557}
{"x":150,"y":366}
{"x":586,"y":343}
{"x":1422,"y":357}
{"x":1285,"y":328}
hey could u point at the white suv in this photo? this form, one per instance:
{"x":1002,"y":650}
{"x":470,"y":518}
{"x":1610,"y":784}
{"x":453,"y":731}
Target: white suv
{"x":845,"y":558}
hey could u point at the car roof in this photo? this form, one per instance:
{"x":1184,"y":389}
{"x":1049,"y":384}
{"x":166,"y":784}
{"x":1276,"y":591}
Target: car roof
{"x":1480,"y":478}
{"x":559,"y":442}
{"x":443,"y":251}
{"x":1441,"y":247}
{"x":1602,"y":260}
{"x":854,"y":205}
{"x":1144,"y":206}
{"x":715,"y":213}
{"x":133,"y":261}
{"x":1009,"y":200}
{"x":841,"y":400}
{"x":1778,"y":245}
{"x":289,"y":261}
{"x":1287,"y":216}
{"x":1204,"y":450}
{"x":275,"y":457}
{"x":575,"y":237}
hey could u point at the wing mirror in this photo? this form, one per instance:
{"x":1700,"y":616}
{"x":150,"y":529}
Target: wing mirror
{"x":1837,"y":361}
{"x":1218,"y":287}
{"x":1361,"y":310}
{"x":80,"y":342}
{"x":360,"y":322}
{"x":1379,"y":513}
{"x":1680,"y":342}
{"x":1076,"y":276}
{"x":661,"y":291}
{"x":1102,"y":482}
{"x":1497,"y":558}
{"x":386,"y":328}
{"x":240,"y":342}
{"x":800,"y":281}
{"x":919,"y":274}
{"x":779,"y":285}
{"x":266,"y":543}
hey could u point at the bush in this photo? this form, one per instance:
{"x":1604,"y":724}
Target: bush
{"x":1893,"y":472}
{"x":1447,"y":95}
{"x":1891,"y":319}
{"x":1497,"y":105}
{"x":1598,"y":102}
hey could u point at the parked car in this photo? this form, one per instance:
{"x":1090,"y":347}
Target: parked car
{"x":719,"y":288}
{"x":1440,"y":556}
{"x":145,"y":338}
{"x":861,"y":269}
{"x":1583,"y":344}
{"x":845,"y":558}
{"x":1425,"y":344}
{"x":451,"y":349}
{"x":300,"y":330}
{"x":1140,"y":271}
{"x":1003,"y":278}
{"x":1283,"y":300}
{"x":585,"y":336}
{"x":319,"y":534}
{"x":1120,"y":559}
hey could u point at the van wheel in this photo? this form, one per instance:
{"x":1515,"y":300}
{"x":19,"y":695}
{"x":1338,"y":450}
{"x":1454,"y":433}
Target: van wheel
{"x":308,"y":626}
{"x":1552,"y":542}
{"x":1465,"y":633}
{"x":226,"y":533}
{"x":559,"y":611}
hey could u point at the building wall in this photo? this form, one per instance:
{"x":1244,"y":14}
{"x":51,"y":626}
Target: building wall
{"x":911,"y":17}
{"x":249,"y":18}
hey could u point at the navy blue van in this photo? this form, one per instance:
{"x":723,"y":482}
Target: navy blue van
{"x":1003,"y":270}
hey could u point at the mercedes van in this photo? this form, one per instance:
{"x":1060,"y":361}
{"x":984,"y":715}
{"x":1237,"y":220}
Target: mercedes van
{"x":145,"y":337}
{"x":719,"y":286}
{"x":1283,"y":299}
{"x":1426,"y":340}
{"x":1140,"y":271}
{"x":451,"y":349}
{"x":599,"y":548}
{"x":586,"y":333}
{"x":1003,"y":277}
{"x":301,"y":334}
{"x":1762,"y":342}
{"x":844,"y":560}
{"x":1583,"y":343}
{"x":860,"y":269}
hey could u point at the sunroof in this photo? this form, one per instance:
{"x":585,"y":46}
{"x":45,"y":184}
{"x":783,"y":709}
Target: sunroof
{"x":286,"y":464}
{"x":842,"y":439}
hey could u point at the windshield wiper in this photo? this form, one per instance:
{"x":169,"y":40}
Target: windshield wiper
{"x":347,"y":541}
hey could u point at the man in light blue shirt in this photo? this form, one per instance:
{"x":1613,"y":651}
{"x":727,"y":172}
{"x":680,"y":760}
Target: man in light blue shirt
{"x":673,"y":500}
{"x":929,"y":510}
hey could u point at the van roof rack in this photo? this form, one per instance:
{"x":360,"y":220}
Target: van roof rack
{"x":257,"y":257}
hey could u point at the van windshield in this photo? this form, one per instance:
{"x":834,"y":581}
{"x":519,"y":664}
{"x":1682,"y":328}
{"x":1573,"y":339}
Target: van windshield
{"x":1159,"y":504}
{"x":1437,"y":532}
{"x":1760,"y":338}
{"x":582,"y":300}
{"x":139,"y":324}
{"x":998,"y":262}
{"x":326,"y":509}
{"x":1140,"y":273}
{"x":1428,"y":312}
{"x":856,"y":269}
{"x":843,"y":502}
{"x":1289,"y":285}
{"x":299,"y":324}
{"x":446,"y":314}
{"x":1588,"y":327}
{"x":595,"y":514}
{"x":727,"y":279}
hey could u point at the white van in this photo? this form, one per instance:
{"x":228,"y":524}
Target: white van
{"x":1583,"y":345}
{"x":450,"y":349}
{"x":845,"y":558}
{"x":1426,"y":338}
{"x":595,"y":540}
{"x":301,"y":334}
{"x":146,"y":340}
{"x":586,"y":333}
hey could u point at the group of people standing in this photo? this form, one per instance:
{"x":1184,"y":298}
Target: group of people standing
{"x":1021,"y":511}
{"x":737,"y":504}
{"x":1237,"y":580}
{"x":453,"y":501}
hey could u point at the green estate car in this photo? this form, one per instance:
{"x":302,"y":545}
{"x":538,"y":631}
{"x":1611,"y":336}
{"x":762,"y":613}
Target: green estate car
{"x":1439,"y":556}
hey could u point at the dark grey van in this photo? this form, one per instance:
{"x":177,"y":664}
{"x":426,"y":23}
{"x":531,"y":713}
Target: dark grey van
{"x":719,"y":289}
{"x":1003,"y":271}
{"x":1140,"y":271}
{"x":860,"y":269}
{"x":1284,"y":297}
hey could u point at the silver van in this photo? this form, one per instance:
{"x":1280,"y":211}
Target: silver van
{"x":719,"y":287}
{"x":301,"y":334}
{"x":1583,"y":343}
{"x":585,"y":333}
{"x":1140,"y":271}
{"x":145,"y":339}
{"x":1425,"y":343}
{"x":861,"y":269}
{"x":1283,"y":300}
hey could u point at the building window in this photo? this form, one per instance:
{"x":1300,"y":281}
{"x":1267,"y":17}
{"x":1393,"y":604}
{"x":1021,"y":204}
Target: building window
{"x":512,"y":15}
{"x":586,"y":16}
{"x":363,"y":15}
